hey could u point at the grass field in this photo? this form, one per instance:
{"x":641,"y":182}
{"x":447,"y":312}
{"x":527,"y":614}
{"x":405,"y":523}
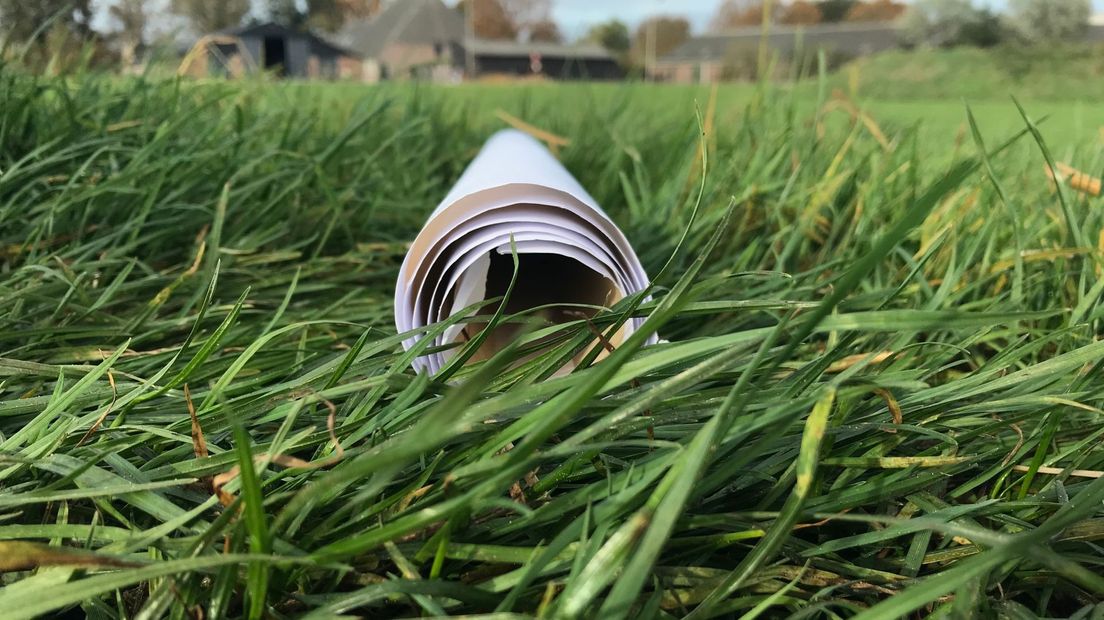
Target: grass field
{"x":881,"y":395}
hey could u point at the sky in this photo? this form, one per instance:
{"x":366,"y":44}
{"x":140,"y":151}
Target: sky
{"x":575,"y":16}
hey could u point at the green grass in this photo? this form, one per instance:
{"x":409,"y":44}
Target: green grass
{"x":879,"y":355}
{"x":1044,"y":73}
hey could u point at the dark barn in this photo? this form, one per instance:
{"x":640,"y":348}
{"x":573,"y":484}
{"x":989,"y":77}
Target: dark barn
{"x":285,"y":52}
{"x":561,"y":62}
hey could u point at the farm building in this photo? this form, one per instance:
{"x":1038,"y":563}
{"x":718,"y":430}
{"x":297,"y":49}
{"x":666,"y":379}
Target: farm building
{"x":566,"y":62}
{"x":713,"y":57}
{"x":273,"y":48}
{"x":413,"y":38}
{"x":425,"y":39}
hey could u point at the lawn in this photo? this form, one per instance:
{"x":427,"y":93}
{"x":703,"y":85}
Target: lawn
{"x":880,"y":394}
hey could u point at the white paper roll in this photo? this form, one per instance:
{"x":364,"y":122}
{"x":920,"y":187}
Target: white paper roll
{"x":569,"y":251}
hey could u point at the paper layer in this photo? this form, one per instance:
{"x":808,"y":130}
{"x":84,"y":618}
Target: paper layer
{"x":571,"y":255}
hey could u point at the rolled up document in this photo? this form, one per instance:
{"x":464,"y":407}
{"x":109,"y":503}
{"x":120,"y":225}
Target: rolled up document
{"x":572,"y":258}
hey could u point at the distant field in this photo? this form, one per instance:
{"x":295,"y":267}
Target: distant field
{"x":1043,"y":73}
{"x":1069,"y":121}
{"x":881,"y":394}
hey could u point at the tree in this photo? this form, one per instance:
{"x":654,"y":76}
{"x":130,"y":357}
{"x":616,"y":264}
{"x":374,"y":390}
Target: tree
{"x":612,"y":35}
{"x":527,"y":13}
{"x":346,"y":10}
{"x":130,"y":15}
{"x":22,"y":19}
{"x":947,"y":23}
{"x":288,"y":13}
{"x":876,"y":11}
{"x":800,"y":12}
{"x":533,"y":17}
{"x":737,"y":14}
{"x":1051,"y":20}
{"x":668,"y":33}
{"x":489,"y":19}
{"x":744,"y":13}
{"x":207,"y":16}
{"x":985,"y":30}
{"x":832,"y":11}
{"x":545,"y":31}
{"x":131,"y":19}
{"x":328,"y":15}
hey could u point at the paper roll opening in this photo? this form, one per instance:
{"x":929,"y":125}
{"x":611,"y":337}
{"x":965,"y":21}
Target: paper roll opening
{"x":572,"y":257}
{"x":560,"y":286}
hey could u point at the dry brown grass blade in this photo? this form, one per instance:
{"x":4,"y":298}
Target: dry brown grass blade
{"x":821,"y":523}
{"x":120,"y":126}
{"x":20,"y":556}
{"x":384,"y":247}
{"x":221,"y":480}
{"x":851,"y":360}
{"x":891,"y":404}
{"x":1077,"y":180}
{"x":99,"y":421}
{"x":199,"y":443}
{"x":201,"y":241}
{"x":608,"y":346}
{"x":164,"y":294}
{"x":1054,"y":471}
{"x":414,"y":496}
{"x":1036,"y":255}
{"x":842,"y":102}
{"x":1015,"y":448}
{"x":14,"y":250}
{"x":554,"y":142}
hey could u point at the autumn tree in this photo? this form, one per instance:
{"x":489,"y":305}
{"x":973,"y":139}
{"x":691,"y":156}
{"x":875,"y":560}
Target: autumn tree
{"x":744,"y":13}
{"x":206,"y":16}
{"x":355,"y":9}
{"x":527,"y":13}
{"x":130,"y":16}
{"x":835,"y":10}
{"x":800,"y":12}
{"x":665,"y":33}
{"x":545,"y":31}
{"x":489,"y":19}
{"x":876,"y":11}
{"x":22,"y":19}
{"x":533,"y":17}
{"x":359,"y":9}
{"x":328,"y":15}
{"x":737,"y":14}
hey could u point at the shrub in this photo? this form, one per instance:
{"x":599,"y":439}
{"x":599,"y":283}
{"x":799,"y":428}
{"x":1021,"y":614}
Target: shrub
{"x":947,"y":23}
{"x":1050,"y":20}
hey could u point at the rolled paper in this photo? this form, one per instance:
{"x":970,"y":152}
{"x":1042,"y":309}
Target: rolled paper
{"x":570,"y":253}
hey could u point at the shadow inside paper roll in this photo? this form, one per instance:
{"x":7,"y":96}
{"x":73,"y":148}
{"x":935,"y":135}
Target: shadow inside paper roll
{"x":572,"y":258}
{"x":549,"y":288}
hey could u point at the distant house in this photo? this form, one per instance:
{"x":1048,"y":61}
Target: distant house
{"x":425,"y":39}
{"x":270,"y":47}
{"x":411,"y":38}
{"x":708,"y":58}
